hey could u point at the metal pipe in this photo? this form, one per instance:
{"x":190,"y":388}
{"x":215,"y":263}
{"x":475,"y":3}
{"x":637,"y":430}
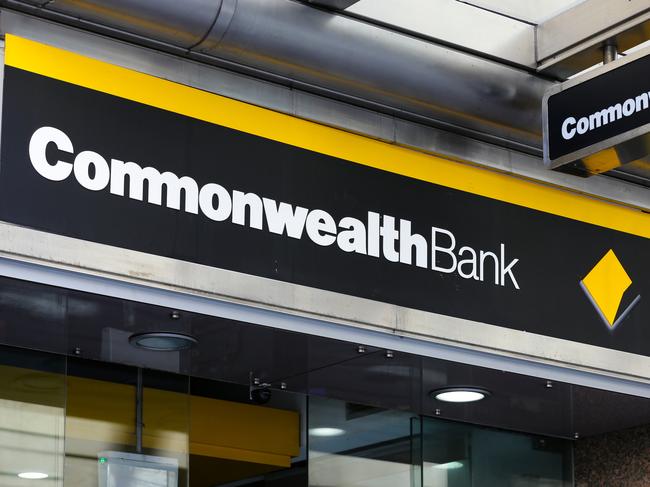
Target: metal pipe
{"x":139,"y":425}
{"x":339,"y":53}
{"x":610,"y":50}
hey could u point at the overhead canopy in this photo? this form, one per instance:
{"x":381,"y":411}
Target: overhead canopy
{"x":476,"y":67}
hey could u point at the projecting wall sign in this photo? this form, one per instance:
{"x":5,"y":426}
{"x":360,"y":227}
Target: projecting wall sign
{"x":104,"y":154}
{"x":600,"y":120}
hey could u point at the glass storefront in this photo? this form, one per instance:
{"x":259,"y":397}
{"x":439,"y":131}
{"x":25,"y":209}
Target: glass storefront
{"x":353,"y":445}
{"x":253,"y":406}
{"x":74,"y":421}
{"x":463,"y":455}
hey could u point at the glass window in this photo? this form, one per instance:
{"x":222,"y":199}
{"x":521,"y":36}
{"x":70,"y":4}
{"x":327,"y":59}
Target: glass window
{"x":351,"y":445}
{"x":237,"y":442}
{"x":32,"y":401}
{"x":464,"y":455}
{"x":100,"y":431}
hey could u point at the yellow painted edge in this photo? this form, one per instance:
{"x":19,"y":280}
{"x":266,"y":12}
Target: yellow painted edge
{"x":169,"y":444}
{"x":149,"y":90}
{"x":239,"y":454}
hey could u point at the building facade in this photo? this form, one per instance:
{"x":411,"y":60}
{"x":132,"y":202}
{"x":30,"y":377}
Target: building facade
{"x":268,"y":243}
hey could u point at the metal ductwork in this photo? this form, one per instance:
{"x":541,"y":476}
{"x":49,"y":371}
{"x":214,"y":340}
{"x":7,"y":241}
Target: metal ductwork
{"x":333,"y":52}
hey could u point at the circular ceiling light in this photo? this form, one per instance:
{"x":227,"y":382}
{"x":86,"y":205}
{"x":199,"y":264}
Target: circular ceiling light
{"x":460,"y":394}
{"x":162,"y":341}
{"x":326,"y":432}
{"x":33,"y":475}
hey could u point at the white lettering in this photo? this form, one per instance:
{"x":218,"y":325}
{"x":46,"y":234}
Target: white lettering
{"x":470,"y":261}
{"x":583,"y":125}
{"x":571,"y":126}
{"x":353,"y":237}
{"x":389,"y":235}
{"x":373,"y":234}
{"x":493,"y":256}
{"x":507,"y":271}
{"x":629,"y":107}
{"x":435,"y":249}
{"x":241,"y":201}
{"x":596,"y":119}
{"x":206,"y":201}
{"x":567,"y":131}
{"x":614,"y":113}
{"x":408,"y":242}
{"x":174,"y":185}
{"x":283,"y":216}
{"x":321,"y":228}
{"x":101,"y":174}
{"x":37,"y":153}
{"x":379,"y":237}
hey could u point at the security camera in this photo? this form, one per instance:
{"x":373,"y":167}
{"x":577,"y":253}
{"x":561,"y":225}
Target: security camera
{"x":258,"y":392}
{"x":260,"y":395}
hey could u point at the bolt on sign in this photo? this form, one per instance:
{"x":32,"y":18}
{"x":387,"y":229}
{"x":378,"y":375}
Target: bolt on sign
{"x":600,"y":120}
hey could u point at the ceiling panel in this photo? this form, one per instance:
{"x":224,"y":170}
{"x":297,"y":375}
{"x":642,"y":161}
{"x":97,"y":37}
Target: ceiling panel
{"x":532,"y":11}
{"x":456,"y":23}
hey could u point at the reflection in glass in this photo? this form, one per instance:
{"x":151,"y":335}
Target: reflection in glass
{"x":465,"y":455}
{"x":32,"y":403}
{"x":119,"y":469}
{"x":374,"y":450}
{"x":101,"y":447}
{"x":236,"y":443}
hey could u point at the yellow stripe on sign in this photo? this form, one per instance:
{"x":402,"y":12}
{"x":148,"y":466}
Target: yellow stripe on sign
{"x":149,"y":90}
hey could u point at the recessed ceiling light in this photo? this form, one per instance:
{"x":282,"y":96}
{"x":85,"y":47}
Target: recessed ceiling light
{"x":460,"y":394}
{"x":326,"y":432}
{"x":162,"y":341}
{"x":448,"y":466}
{"x":33,"y":475}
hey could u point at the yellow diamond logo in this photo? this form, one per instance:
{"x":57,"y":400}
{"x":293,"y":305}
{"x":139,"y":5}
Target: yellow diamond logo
{"x":605,"y":286}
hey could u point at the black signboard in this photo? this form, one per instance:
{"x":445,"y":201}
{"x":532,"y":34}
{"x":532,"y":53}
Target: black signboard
{"x":102,"y":168}
{"x":600,"y":120}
